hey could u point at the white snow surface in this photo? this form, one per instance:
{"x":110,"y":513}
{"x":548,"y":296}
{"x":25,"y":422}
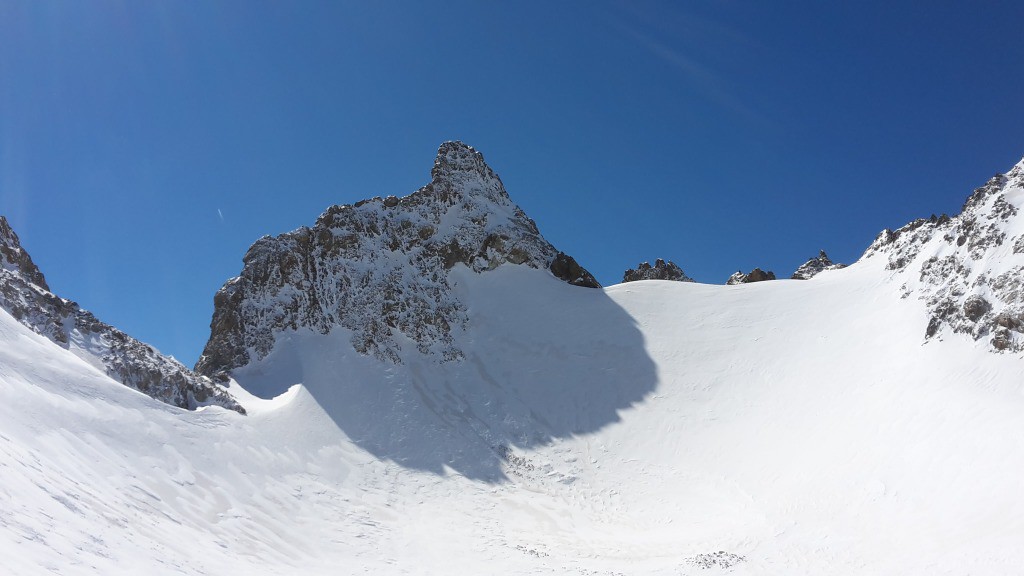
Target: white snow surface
{"x":787,"y":427}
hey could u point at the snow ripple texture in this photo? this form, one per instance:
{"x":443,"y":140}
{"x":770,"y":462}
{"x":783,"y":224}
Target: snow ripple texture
{"x":26,"y":296}
{"x":380,"y":269}
{"x":969,"y":268}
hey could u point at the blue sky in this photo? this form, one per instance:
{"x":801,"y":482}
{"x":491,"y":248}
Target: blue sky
{"x":145,"y":145}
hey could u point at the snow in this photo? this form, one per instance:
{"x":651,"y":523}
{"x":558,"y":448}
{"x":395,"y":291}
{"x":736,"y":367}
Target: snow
{"x":798,"y":427}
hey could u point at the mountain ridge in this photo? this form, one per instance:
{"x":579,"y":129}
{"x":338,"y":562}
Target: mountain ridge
{"x":968,"y":269}
{"x":25,"y":294}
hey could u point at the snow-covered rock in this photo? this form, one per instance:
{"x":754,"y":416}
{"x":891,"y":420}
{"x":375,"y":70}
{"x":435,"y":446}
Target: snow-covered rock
{"x":816,"y":266}
{"x":26,"y":296}
{"x":755,"y":275}
{"x":660,"y":271}
{"x":969,"y":268}
{"x":379,"y":268}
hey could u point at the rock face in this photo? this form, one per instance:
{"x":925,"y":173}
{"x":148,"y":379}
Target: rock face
{"x":26,"y":296}
{"x":815,"y":266}
{"x":379,"y":268}
{"x":968,"y":269}
{"x":660,"y":271}
{"x":755,"y":275}
{"x":15,"y":259}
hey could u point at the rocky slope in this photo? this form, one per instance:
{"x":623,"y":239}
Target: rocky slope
{"x":968,"y":269}
{"x":755,"y":275}
{"x":660,"y":271}
{"x":379,"y":268}
{"x":26,"y":296}
{"x":815,"y":266}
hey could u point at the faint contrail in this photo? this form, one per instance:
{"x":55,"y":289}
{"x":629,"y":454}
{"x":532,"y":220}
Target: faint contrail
{"x":710,"y":83}
{"x":220,"y":214}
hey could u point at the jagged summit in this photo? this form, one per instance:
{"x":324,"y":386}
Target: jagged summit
{"x":26,"y":296}
{"x":660,"y":271}
{"x":969,"y":268}
{"x":455,"y":156}
{"x":14,"y":258}
{"x":816,"y":266}
{"x":379,"y":268}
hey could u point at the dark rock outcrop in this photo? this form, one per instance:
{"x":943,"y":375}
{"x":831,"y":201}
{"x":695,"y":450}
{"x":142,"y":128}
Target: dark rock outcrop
{"x":660,"y":271}
{"x":755,"y":275}
{"x":815,"y":266}
{"x":965,"y":268}
{"x":566,"y":269}
{"x":25,"y":295}
{"x":379,"y":268}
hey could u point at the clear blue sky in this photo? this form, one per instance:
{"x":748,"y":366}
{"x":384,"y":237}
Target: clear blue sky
{"x":145,"y":145}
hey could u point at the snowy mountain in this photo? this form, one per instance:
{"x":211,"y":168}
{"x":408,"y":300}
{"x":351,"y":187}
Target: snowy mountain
{"x":25,"y":295}
{"x":379,"y":268}
{"x":533,"y":426}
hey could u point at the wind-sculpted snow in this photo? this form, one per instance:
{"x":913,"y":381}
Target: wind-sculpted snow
{"x":969,"y":268}
{"x":25,"y":295}
{"x":541,"y":360}
{"x":379,"y":269}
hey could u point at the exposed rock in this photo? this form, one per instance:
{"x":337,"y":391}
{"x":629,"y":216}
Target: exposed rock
{"x":565,"y":268}
{"x":816,"y":266}
{"x":975,"y":307}
{"x":14,"y":258}
{"x":965,"y":268}
{"x":755,"y":275}
{"x":720,"y":560}
{"x":660,"y":271}
{"x":379,"y":268}
{"x":26,"y":296}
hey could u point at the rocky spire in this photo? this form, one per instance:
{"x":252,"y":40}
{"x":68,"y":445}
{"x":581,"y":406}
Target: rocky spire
{"x":379,"y":268}
{"x":816,"y":266}
{"x":14,"y":258}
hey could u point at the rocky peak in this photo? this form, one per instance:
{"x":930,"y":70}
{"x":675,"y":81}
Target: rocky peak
{"x":816,"y":266}
{"x":455,"y":157}
{"x":379,"y":268}
{"x":14,"y":258}
{"x":25,"y":295}
{"x":755,"y":275}
{"x":969,"y":268}
{"x":660,"y":271}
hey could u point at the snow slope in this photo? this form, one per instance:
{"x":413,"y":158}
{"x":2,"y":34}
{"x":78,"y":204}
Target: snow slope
{"x":865,"y":421}
{"x":787,"y":427}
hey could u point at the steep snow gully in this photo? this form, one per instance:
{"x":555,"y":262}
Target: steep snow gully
{"x":429,"y":387}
